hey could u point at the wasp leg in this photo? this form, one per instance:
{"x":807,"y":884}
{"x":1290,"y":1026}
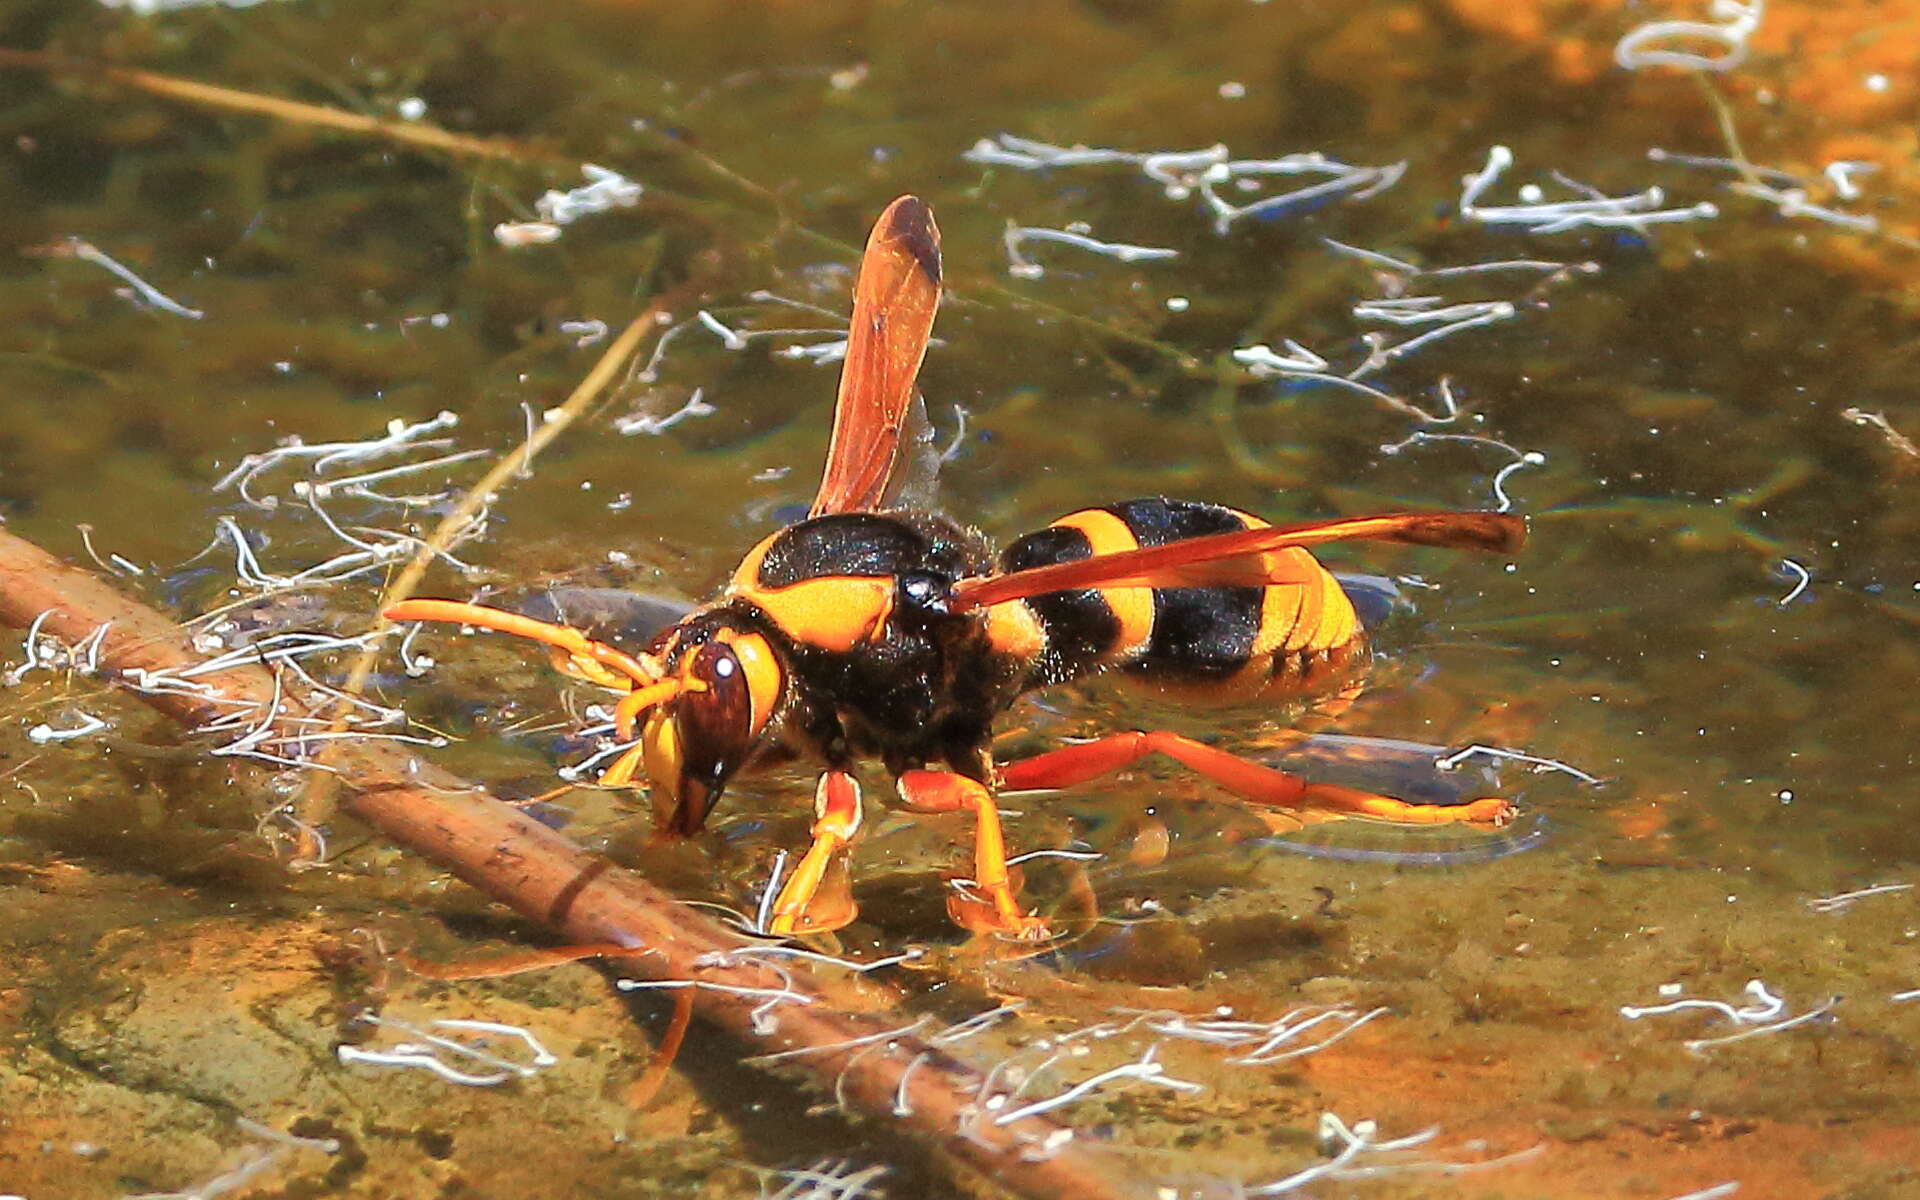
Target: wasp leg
{"x":645,"y":1088}
{"x":800,"y":907}
{"x":1256,"y":784}
{"x":995,"y":910}
{"x":624,"y":768}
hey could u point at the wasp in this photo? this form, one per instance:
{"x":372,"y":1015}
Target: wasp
{"x":871,"y":631}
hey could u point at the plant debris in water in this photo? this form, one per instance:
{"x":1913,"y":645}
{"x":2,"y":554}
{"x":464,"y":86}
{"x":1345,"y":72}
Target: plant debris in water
{"x":1645,"y":274}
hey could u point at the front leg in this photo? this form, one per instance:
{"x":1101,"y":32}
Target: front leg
{"x":995,"y":910}
{"x":802,"y":907}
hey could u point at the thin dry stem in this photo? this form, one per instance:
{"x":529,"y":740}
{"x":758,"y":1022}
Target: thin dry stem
{"x":317,"y":801}
{"x":413,"y":133}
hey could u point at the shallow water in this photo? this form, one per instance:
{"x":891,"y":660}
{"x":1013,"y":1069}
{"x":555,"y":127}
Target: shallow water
{"x":1685,"y":399}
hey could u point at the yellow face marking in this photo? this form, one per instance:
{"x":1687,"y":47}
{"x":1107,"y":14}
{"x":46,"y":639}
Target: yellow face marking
{"x":765,"y":677}
{"x":1132,"y":606}
{"x":660,"y":749}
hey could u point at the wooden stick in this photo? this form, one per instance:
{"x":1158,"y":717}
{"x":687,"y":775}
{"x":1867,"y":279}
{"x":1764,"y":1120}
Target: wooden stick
{"x":541,"y":874}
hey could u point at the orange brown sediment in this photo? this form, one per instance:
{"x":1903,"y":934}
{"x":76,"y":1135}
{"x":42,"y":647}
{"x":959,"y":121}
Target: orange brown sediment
{"x":1639,"y":821}
{"x":1578,"y":62}
{"x":1507,"y":1094}
{"x":13,"y":1009}
{"x":1830,"y":53}
{"x":1821,"y":55}
{"x":1668,"y":1151}
{"x":1520,"y":22}
{"x":516,"y":964}
{"x":1847,"y":78}
{"x":1820,"y":84}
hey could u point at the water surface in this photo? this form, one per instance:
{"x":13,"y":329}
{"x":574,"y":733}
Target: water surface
{"x":1715,"y":618}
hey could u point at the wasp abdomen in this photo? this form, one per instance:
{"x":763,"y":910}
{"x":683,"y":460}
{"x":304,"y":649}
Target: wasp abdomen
{"x":1224,"y":642}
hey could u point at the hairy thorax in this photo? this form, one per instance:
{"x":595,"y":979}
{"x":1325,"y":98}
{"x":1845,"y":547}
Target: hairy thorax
{"x":860,"y":599}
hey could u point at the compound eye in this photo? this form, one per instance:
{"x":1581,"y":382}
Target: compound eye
{"x":716,"y":721}
{"x":731,"y":687}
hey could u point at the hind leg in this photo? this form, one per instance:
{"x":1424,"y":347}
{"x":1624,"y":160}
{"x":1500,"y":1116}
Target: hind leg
{"x":1258,"y":785}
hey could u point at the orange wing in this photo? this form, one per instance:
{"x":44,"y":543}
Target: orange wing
{"x":893,"y":308}
{"x":1242,"y":558}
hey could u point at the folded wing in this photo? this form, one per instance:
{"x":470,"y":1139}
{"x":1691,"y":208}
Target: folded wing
{"x":1244,"y":558}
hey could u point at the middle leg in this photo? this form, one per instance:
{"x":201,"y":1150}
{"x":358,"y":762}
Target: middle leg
{"x":995,"y":910}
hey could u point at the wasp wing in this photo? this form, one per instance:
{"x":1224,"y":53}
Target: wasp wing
{"x":1244,"y":558}
{"x":893,"y":307}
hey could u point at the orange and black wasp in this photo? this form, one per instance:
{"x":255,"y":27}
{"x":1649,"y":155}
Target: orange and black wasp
{"x":868,"y":631}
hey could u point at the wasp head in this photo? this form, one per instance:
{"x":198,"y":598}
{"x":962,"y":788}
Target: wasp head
{"x":707,"y":687}
{"x":720,"y":690}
